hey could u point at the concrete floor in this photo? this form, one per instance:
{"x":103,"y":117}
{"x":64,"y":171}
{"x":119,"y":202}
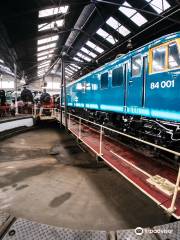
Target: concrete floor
{"x":45,"y":177}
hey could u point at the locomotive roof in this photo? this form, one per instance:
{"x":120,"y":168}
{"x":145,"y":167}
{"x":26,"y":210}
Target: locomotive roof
{"x":141,"y":49}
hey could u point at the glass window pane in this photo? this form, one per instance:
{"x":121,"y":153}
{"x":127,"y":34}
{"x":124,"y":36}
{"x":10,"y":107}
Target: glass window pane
{"x":52,"y":11}
{"x":159,"y":5}
{"x":104,"y":80}
{"x":138,"y":19}
{"x":159,"y":59}
{"x":48,"y":39}
{"x":106,"y":36}
{"x":117,"y":77}
{"x":136,"y":66}
{"x":174,"y":56}
{"x":94,"y":46}
{"x":128,"y":11}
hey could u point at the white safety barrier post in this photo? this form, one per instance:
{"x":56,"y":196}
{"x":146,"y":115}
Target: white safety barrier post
{"x":69,"y":121}
{"x":35,"y":109}
{"x":41,"y":111}
{"x":16,"y":89}
{"x":79,"y":128}
{"x":100,"y":144}
{"x":59,"y":115}
{"x":172,"y":207}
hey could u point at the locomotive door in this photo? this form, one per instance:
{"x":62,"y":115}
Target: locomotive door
{"x":125,"y":83}
{"x":144,"y":72}
{"x":136,"y":84}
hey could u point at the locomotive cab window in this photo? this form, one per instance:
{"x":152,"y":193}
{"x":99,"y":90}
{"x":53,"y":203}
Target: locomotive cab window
{"x":104,"y":80}
{"x":174,"y":56}
{"x":136,"y":66}
{"x":117,"y":77}
{"x":159,"y":59}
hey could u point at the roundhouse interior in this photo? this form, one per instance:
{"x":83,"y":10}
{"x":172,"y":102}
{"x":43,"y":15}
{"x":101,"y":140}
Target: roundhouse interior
{"x":90,"y":119}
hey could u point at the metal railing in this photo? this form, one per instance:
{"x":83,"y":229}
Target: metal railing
{"x":12,"y":113}
{"x":77,"y":125}
{"x":41,"y":111}
{"x":99,"y":129}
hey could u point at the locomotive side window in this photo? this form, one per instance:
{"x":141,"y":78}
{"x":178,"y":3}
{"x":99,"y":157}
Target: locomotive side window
{"x":159,"y":59}
{"x":136,"y":66}
{"x":117,"y":77}
{"x":104,"y":80}
{"x":174,"y":56}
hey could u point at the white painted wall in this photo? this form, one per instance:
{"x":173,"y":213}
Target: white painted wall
{"x":53,"y":84}
{"x":6,"y":82}
{"x":28,"y":122}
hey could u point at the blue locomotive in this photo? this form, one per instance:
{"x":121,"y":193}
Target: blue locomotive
{"x":138,"y":92}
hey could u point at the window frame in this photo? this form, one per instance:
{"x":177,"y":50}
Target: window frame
{"x":112,"y":76}
{"x":138,"y":75}
{"x":177,"y":44}
{"x":107,"y":81}
{"x":150,"y":56}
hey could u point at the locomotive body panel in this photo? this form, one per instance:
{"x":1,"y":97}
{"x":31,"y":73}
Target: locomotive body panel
{"x":139,"y":90}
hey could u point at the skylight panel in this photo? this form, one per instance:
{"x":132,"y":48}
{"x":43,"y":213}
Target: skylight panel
{"x":43,"y":69}
{"x":111,"y":39}
{"x":117,"y":26}
{"x":159,"y":5}
{"x":41,"y":73}
{"x":83,"y":57}
{"x":56,"y":67}
{"x":45,"y":53}
{"x":77,"y":59}
{"x":102,"y":33}
{"x":46,"y":26}
{"x":40,"y":67}
{"x":124,"y":31}
{"x":106,"y":36}
{"x":94,"y":46}
{"x":113,"y":23}
{"x":85,"y":50}
{"x":43,"y":66}
{"x":131,"y":13}
{"x":53,"y":11}
{"x":47,"y":46}
{"x":70,"y":70}
{"x":128,"y":11}
{"x":139,"y":19}
{"x":73,"y":68}
{"x":45,"y":62}
{"x":68,"y":73}
{"x":76,"y":66}
{"x":48,"y":39}
{"x":45,"y":57}
{"x":42,"y":58}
